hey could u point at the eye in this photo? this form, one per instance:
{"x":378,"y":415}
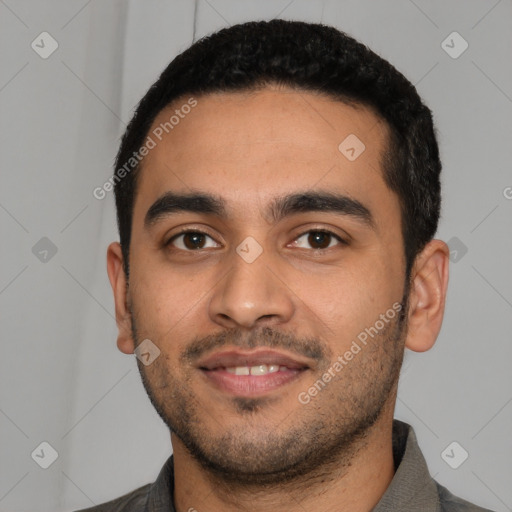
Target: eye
{"x":319,"y":239}
{"x":190,"y":240}
{"x":193,"y":240}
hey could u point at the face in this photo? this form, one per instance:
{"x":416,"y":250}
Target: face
{"x":273,"y":298}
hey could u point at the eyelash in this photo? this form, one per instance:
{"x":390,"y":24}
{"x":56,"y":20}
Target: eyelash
{"x":196,"y":231}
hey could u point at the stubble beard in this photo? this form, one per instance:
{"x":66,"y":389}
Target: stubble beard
{"x":321,"y":437}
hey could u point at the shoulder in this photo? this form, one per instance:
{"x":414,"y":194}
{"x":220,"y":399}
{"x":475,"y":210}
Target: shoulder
{"x":130,"y":502}
{"x":158,"y":494}
{"x":451,"y":503}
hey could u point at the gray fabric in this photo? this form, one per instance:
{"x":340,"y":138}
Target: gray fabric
{"x":412,"y":488}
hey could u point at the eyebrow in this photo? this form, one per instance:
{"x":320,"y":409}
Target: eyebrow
{"x":280,"y":207}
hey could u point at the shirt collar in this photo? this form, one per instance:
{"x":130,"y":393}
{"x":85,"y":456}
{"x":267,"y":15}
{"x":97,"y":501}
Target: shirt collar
{"x":161,"y":492}
{"x":412,"y":485}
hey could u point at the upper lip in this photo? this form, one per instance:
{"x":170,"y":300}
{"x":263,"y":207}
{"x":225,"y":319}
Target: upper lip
{"x":232,"y":358}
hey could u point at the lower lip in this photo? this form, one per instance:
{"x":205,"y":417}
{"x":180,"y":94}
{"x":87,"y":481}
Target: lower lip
{"x":250,"y":385}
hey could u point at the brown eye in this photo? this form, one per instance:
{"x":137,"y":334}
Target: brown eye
{"x":318,"y":239}
{"x":190,"y":241}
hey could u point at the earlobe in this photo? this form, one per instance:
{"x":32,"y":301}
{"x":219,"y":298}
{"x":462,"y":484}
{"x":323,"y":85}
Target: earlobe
{"x":117,"y":277}
{"x":429,"y":282}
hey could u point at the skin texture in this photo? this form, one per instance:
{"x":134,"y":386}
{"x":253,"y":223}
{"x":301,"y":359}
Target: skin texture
{"x":273,"y":452}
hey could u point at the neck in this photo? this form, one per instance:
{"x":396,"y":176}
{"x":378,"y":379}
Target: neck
{"x":355,"y":483}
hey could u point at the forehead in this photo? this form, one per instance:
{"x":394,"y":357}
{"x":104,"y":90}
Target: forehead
{"x":251,"y":146}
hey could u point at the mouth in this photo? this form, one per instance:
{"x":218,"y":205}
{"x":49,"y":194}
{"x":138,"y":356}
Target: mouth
{"x":251,"y":373}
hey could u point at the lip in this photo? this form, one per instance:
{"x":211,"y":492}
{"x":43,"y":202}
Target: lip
{"x":230,"y":358}
{"x":213,"y":368}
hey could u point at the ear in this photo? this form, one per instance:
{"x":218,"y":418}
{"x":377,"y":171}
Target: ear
{"x":429,"y":282}
{"x":117,"y":277}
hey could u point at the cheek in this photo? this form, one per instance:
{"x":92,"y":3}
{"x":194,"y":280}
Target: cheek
{"x":165,"y":301}
{"x":348,"y":299}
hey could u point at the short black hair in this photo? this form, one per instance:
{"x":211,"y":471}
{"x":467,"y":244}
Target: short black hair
{"x":314,"y":58}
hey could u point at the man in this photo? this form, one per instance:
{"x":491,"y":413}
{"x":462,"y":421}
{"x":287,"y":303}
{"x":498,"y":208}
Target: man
{"x":277,"y":193}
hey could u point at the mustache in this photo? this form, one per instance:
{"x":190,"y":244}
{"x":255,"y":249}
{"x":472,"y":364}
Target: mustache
{"x":264,"y":337}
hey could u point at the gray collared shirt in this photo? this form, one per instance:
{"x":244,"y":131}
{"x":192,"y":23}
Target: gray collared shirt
{"x":412,"y":488}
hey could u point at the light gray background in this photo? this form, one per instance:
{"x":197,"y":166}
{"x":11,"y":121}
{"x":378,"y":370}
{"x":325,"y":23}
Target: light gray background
{"x":62,"y":379}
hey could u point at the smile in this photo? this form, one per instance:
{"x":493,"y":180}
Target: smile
{"x":251,"y":373}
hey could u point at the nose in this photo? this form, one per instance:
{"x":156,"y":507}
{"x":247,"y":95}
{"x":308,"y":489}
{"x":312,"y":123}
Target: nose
{"x":251,"y":295}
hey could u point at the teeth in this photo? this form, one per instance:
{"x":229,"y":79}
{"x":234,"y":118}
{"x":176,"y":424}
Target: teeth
{"x":260,"y":369}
